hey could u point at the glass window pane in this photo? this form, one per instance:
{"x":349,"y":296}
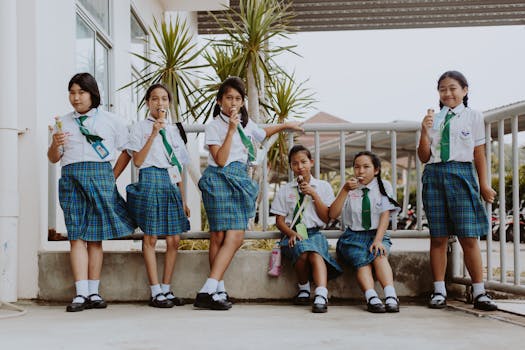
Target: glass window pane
{"x":99,"y":10}
{"x":102,"y":73}
{"x":139,"y":43}
{"x":84,"y":48}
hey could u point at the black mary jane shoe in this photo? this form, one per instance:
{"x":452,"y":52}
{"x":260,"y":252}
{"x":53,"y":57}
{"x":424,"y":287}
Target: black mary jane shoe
{"x":75,"y":307}
{"x":206,"y":301}
{"x":297,"y":300}
{"x":320,"y":308}
{"x":485,"y":305}
{"x":97,"y":303}
{"x":175,"y":300}
{"x":437,"y":303}
{"x":377,"y":308}
{"x":162,"y":304}
{"x":392,"y":307}
{"x":225,"y":296}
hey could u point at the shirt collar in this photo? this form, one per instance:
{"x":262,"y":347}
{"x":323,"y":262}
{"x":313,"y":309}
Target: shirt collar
{"x":457,"y":110}
{"x":372,"y":184}
{"x":151,"y":119}
{"x":91,"y":113}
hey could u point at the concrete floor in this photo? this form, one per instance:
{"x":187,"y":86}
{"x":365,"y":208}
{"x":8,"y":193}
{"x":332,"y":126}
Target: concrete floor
{"x":255,"y":326}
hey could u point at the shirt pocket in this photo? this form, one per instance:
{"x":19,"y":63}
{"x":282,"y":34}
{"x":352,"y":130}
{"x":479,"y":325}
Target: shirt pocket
{"x":465,"y":138}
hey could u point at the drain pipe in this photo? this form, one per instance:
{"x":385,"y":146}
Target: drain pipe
{"x":9,"y":199}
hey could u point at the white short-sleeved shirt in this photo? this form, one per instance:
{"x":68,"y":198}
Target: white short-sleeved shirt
{"x":352,"y":209}
{"x":99,"y":122}
{"x":287,"y":197}
{"x":215,"y":134}
{"x":467,"y":130}
{"x":139,"y":135}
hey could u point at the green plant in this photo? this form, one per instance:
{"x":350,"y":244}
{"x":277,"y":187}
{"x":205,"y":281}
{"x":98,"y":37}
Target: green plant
{"x":171,"y":62}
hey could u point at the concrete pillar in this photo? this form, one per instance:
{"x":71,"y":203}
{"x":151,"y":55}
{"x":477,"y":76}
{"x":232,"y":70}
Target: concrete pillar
{"x":9,"y":198}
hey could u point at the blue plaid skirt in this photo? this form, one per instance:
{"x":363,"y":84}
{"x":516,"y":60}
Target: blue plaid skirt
{"x":228,"y":195}
{"x":452,"y":201}
{"x":156,"y":204}
{"x":317,"y":243}
{"x":93,"y":208}
{"x":353,"y":247}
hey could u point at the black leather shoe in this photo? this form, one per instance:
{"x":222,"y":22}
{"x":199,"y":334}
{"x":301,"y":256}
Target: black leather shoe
{"x":486,"y":305}
{"x":175,"y":300}
{"x":225,"y":295}
{"x":297,"y":300}
{"x":437,"y":303}
{"x":163,"y":304}
{"x":206,"y":301}
{"x":377,"y":308}
{"x":75,"y":307}
{"x":97,"y":303}
{"x":392,"y":307}
{"x":320,"y":308}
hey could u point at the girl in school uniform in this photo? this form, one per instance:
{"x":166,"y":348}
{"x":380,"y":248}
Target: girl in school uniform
{"x":93,"y":209}
{"x":156,"y":201}
{"x":367,"y":205}
{"x":449,"y":142}
{"x":301,"y":209}
{"x":228,"y":193}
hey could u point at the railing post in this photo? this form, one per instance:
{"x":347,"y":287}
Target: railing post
{"x":393,"y":161}
{"x":502,"y":211}
{"x":317,"y":156}
{"x":419,"y":197}
{"x":265,"y":200}
{"x":516,"y":200}
{"x":342,"y":165}
{"x":488,"y":152}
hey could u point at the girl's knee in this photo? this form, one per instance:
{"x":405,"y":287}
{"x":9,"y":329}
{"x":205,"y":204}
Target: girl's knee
{"x":468,"y":243}
{"x":216,"y":238}
{"x":304,"y":257}
{"x":149,"y":241}
{"x":172,"y":242}
{"x":438,"y":242}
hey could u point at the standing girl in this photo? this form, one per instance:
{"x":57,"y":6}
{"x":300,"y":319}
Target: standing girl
{"x":228,"y":192}
{"x":367,"y":205}
{"x":93,"y":209}
{"x":156,"y":201}
{"x":449,"y":142}
{"x":301,"y":207}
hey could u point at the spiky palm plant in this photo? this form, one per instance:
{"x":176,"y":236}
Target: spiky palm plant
{"x":171,"y":62}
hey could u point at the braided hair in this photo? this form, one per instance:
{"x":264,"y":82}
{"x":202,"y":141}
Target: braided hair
{"x":377,"y":165}
{"x":237,"y":84}
{"x":457,"y":76}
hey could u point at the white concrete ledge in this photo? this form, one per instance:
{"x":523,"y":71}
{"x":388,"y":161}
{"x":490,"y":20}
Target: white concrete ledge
{"x":124,"y":276}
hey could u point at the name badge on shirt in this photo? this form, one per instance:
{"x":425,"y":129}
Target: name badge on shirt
{"x":174,"y":174}
{"x":101,"y":150}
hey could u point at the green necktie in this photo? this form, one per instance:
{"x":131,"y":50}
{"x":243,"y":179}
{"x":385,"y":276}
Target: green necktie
{"x":91,"y":138}
{"x":297,"y":206}
{"x":171,"y":155}
{"x":445,"y":138}
{"x":366,"y":219}
{"x":247,"y":143}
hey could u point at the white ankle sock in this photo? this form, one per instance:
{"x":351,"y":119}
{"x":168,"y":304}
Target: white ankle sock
{"x":304,"y":289}
{"x":93,"y":289}
{"x":478,"y":289}
{"x":210,"y":286}
{"x":439,"y":287}
{"x":372,"y":293}
{"x":390,"y":292}
{"x":322,"y":291}
{"x":165,"y":288}
{"x":155,"y":290}
{"x":82,"y":289}
{"x":220,"y":286}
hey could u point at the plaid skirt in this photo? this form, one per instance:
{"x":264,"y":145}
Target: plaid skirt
{"x":93,"y":208}
{"x":353,"y":247}
{"x":228,"y":195}
{"x":156,"y":204}
{"x":317,"y":243}
{"x":452,"y":201}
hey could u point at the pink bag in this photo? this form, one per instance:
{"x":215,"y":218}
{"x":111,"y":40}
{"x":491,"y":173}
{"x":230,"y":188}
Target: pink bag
{"x":274,"y":267}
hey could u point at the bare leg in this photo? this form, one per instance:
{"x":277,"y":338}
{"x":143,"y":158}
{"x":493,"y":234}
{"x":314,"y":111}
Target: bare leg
{"x":319,"y":269}
{"x":95,"y":256}
{"x":438,"y":257}
{"x":472,"y":257}
{"x":383,"y":271}
{"x":148,"y":251}
{"x":365,"y":278}
{"x":172,"y":246}
{"x":79,"y":259}
{"x":232,"y":242}
{"x":302,"y":268}
{"x":216,"y":241}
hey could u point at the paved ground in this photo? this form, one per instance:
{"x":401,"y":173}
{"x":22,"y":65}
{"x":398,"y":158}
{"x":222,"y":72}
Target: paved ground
{"x":256,"y":326}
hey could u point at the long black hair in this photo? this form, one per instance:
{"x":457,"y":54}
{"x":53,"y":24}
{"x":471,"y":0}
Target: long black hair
{"x":88,"y":84}
{"x":377,"y":165}
{"x":237,"y":84}
{"x":457,"y":76}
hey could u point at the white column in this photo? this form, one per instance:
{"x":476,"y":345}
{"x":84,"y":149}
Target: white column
{"x":9,"y":199}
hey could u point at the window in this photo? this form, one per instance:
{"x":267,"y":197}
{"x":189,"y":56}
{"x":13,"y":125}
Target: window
{"x":93,"y":45}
